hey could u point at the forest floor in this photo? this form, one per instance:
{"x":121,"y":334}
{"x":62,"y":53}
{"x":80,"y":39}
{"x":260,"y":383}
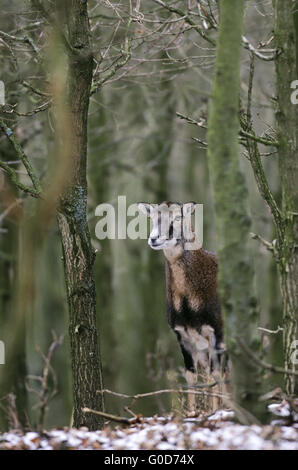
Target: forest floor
{"x":217,"y":431}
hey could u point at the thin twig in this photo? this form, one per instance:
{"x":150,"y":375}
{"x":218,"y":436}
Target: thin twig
{"x":260,"y":140}
{"x":125,"y":57}
{"x":264,"y":365}
{"x":24,"y":40}
{"x":271,"y":332}
{"x":8,"y":209}
{"x":187,"y":20}
{"x":45,"y":394}
{"x":194,"y":391}
{"x":247,"y":45}
{"x":10,"y":109}
{"x":242,"y":133}
{"x":250,"y":88}
{"x":269,"y":246}
{"x":259,"y":173}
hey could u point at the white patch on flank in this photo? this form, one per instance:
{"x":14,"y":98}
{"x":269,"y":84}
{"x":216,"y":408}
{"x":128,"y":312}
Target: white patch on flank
{"x":192,"y":340}
{"x":198,"y":345}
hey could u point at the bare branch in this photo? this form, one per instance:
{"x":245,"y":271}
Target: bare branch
{"x":197,"y":389}
{"x":242,"y":133}
{"x":269,"y":246}
{"x":14,"y":179}
{"x":260,"y":140}
{"x":10,"y":109}
{"x":187,"y":20}
{"x":247,"y":45}
{"x":45,"y":394}
{"x":126,"y":55}
{"x":23,"y":157}
{"x":264,"y":365}
{"x":271,"y":332}
{"x":24,"y":40}
{"x":118,"y":65}
{"x":261,"y":180}
{"x":35,"y":90}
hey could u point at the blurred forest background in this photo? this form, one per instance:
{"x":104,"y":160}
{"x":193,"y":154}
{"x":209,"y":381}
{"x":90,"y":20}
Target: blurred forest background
{"x":138,"y":147}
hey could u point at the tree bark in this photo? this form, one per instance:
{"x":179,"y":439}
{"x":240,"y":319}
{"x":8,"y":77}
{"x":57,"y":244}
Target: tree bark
{"x":286,"y":32}
{"x":13,"y":373}
{"x":236,"y":271}
{"x":78,"y":254}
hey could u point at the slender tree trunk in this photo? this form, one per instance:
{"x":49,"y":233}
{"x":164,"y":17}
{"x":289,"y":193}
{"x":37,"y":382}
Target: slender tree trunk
{"x":78,"y":254}
{"x":99,"y":182}
{"x":13,"y":373}
{"x":286,"y":33}
{"x":236,"y":271}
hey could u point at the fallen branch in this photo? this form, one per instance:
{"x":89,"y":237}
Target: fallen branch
{"x":118,"y":419}
{"x":187,"y":391}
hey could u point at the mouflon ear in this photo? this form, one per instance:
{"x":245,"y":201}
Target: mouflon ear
{"x":189,"y":208}
{"x":145,"y":208}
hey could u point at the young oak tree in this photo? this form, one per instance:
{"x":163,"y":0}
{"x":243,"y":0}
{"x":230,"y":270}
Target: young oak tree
{"x":78,"y":254}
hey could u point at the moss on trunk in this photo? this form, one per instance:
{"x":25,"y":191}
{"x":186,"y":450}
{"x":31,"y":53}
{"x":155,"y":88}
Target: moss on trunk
{"x":236,"y":272}
{"x":285,"y":31}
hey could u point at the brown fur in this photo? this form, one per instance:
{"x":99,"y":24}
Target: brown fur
{"x":193,"y":276}
{"x":194,"y":314}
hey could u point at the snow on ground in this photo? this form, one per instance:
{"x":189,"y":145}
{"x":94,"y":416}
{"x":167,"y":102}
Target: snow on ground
{"x":160,"y":433}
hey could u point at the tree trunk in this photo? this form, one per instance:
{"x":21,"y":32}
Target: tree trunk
{"x":13,"y":373}
{"x":236,"y":272}
{"x":78,"y":254}
{"x":286,"y":31}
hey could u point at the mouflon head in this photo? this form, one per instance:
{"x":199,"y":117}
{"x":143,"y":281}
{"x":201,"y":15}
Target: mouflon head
{"x":171,"y":224}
